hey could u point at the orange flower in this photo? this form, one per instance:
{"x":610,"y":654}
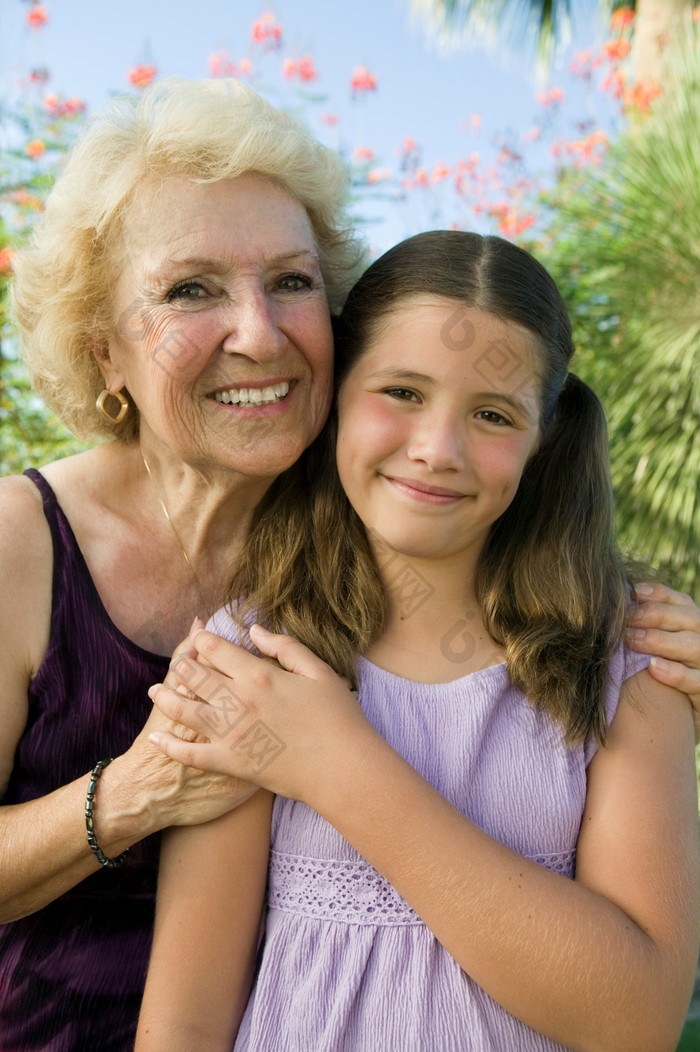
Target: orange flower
{"x":621,"y":18}
{"x":329,"y":118}
{"x":363,"y":153}
{"x":616,"y":50}
{"x":141,"y":76}
{"x":22,"y":198}
{"x":362,"y":79}
{"x":440,"y":172}
{"x":546,"y":98}
{"x":408,"y":145}
{"x":641,"y":96}
{"x":35,"y":148}
{"x":6,"y":255}
{"x":37,"y":16}
{"x":378,"y":175}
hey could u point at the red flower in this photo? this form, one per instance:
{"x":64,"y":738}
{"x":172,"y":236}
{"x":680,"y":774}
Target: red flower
{"x":306,"y":68}
{"x":329,"y":118}
{"x":37,"y":16}
{"x":141,"y":76}
{"x":363,"y":153}
{"x":220,"y":65}
{"x":38,"y":76}
{"x":267,"y":30}
{"x":302,"y":68}
{"x":362,"y":79}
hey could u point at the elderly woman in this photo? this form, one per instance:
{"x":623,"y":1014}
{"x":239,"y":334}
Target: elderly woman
{"x":177,"y":298}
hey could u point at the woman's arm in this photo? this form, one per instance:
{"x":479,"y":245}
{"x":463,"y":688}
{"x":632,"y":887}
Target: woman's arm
{"x":211,"y":888}
{"x":43,"y":844}
{"x":602,"y":962}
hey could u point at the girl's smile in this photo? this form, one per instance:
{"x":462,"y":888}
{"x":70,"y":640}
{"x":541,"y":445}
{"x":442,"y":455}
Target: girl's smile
{"x":432,"y":443}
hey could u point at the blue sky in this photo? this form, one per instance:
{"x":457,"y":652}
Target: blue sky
{"x":89,"y":46}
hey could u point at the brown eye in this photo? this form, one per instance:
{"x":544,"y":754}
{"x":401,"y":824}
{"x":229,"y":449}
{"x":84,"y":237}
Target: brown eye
{"x":294,"y":282}
{"x":187,"y":290}
{"x":492,"y":417}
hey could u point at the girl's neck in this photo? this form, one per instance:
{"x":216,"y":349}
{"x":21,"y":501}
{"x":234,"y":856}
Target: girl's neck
{"x":434,"y":630}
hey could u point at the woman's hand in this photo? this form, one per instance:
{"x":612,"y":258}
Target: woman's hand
{"x":666,"y":624}
{"x":146,"y":785}
{"x":282,"y":726}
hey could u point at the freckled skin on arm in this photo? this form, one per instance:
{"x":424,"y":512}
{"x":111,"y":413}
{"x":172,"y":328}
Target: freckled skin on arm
{"x":210,"y":894}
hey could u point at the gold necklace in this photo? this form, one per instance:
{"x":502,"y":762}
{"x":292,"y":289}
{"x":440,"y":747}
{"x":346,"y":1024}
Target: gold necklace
{"x":177,"y":537}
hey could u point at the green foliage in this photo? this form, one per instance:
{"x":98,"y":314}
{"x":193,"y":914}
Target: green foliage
{"x":539,"y":23}
{"x":624,"y":244}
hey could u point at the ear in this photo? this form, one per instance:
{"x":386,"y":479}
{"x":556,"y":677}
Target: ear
{"x":113,"y":377}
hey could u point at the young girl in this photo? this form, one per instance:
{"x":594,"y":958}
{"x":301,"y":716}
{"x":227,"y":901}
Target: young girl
{"x":455,"y":860}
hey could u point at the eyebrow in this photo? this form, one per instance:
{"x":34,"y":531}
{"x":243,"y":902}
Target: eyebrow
{"x":204,"y":263}
{"x":409,"y":376}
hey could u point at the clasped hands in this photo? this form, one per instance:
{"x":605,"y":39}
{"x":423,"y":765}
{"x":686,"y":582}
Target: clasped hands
{"x":281,"y":725}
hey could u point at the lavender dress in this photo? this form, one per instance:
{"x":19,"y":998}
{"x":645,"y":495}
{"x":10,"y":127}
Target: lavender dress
{"x":347,"y":965}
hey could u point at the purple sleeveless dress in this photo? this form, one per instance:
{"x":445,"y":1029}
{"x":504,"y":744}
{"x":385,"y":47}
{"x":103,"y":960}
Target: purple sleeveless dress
{"x":72,"y":974}
{"x":347,"y":965}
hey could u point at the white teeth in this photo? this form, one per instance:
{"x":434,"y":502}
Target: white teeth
{"x":253,"y":395}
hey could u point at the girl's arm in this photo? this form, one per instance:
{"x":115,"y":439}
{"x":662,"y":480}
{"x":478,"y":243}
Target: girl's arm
{"x":605,"y":961}
{"x":211,"y":888}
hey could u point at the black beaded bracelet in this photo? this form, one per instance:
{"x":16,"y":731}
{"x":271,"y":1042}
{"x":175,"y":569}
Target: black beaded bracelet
{"x":110,"y":863}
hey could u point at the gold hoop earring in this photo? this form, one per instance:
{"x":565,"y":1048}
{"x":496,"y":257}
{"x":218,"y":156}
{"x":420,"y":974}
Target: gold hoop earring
{"x":123,"y":406}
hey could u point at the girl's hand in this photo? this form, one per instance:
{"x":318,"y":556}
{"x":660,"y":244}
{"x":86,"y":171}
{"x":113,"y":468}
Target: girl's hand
{"x":282,"y":726}
{"x":667,"y":624}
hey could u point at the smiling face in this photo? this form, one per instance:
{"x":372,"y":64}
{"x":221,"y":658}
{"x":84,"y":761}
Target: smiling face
{"x":222,"y":331}
{"x":430,"y":452}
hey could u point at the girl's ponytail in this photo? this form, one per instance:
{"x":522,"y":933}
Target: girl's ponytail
{"x":551,"y":580}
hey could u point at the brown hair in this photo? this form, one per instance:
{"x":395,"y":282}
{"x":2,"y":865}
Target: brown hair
{"x":550,"y":579}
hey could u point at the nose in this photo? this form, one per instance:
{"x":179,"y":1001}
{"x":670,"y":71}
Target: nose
{"x":438,"y":442}
{"x":253,"y":325}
